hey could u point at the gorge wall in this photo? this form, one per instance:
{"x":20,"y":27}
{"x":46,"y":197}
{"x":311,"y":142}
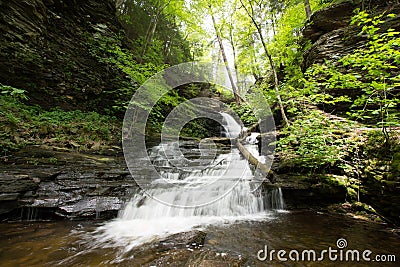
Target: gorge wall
{"x":44,"y":50}
{"x":331,"y":34}
{"x":332,"y":37}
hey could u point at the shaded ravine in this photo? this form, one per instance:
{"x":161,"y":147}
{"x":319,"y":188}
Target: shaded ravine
{"x":216,"y":187}
{"x":228,"y":232}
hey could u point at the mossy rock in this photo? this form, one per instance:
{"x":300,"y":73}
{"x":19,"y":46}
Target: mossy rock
{"x":396,"y":164}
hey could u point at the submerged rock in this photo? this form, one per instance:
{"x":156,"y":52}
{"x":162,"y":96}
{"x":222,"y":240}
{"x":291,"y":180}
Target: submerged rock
{"x":200,"y":257}
{"x":192,"y":239}
{"x":208,"y":258}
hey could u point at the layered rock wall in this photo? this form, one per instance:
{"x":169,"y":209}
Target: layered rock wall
{"x":44,"y":49}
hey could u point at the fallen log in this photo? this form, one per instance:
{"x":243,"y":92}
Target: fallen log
{"x":262,"y":168}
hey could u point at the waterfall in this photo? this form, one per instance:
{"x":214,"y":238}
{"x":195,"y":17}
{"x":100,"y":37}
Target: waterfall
{"x":232,"y":128}
{"x":211,"y":191}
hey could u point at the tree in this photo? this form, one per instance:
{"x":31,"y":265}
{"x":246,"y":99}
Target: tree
{"x":250,"y":11}
{"x":224,"y":58}
{"x":307,"y":8}
{"x":156,"y":11}
{"x":154,"y":26}
{"x":231,"y":28}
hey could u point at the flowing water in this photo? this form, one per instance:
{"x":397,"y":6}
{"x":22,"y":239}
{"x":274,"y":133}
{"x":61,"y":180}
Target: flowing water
{"x":252,"y":138}
{"x":232,"y":128}
{"x":213,"y":192}
{"x":69,"y":243}
{"x":215,"y":187}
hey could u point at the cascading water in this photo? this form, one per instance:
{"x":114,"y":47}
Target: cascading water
{"x":220,"y":193}
{"x":232,"y":128}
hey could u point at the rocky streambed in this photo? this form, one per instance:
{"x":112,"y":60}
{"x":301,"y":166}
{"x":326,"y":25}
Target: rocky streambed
{"x":49,"y":183}
{"x":42,"y":183}
{"x":71,"y":243}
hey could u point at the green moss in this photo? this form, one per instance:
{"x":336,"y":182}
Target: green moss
{"x":24,"y":124}
{"x":396,"y":164}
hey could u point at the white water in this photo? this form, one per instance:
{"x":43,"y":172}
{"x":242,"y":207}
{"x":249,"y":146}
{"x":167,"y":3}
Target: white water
{"x":223,"y":192}
{"x":252,"y":138}
{"x":232,"y":128}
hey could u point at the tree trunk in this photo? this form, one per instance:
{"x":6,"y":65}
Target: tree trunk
{"x":276,"y":80}
{"x":265,"y":171}
{"x":271,"y":63}
{"x":273,"y":23}
{"x":231,"y":40}
{"x":307,"y":8}
{"x":150,"y":34}
{"x":224,"y":58}
{"x":254,"y":70}
{"x":240,"y":89}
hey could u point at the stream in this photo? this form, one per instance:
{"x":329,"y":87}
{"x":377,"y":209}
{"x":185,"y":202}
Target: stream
{"x":70,"y":243}
{"x":223,"y":200}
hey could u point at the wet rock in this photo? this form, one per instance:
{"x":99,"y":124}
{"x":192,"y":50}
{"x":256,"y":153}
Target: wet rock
{"x":220,"y":140}
{"x":13,"y":183}
{"x":304,"y":191}
{"x":90,"y":207}
{"x":174,"y":250}
{"x":8,"y":196}
{"x":197,"y":257}
{"x":83,"y":186}
{"x":381,"y":186}
{"x":208,"y":258}
{"x":192,"y":239}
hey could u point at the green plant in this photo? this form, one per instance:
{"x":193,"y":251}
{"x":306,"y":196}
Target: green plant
{"x":108,"y":49}
{"x":315,"y":142}
{"x":245,"y":113}
{"x":372,"y":71}
{"x":53,"y":160}
{"x":14,"y":92}
{"x":23,"y":124}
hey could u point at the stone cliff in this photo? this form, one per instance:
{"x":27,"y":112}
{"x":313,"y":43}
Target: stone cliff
{"x":332,"y":37}
{"x":331,"y":34}
{"x":44,"y":50}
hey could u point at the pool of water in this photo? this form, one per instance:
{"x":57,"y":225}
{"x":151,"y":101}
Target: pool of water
{"x":74,"y":243}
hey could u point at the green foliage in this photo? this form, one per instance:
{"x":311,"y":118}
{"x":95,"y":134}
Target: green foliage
{"x":155,"y":27}
{"x":22,"y":124}
{"x":287,"y":48}
{"x":53,"y":160}
{"x":199,"y":128}
{"x":372,"y":71}
{"x":316,"y":86}
{"x":162,"y":108}
{"x":316,"y":142}
{"x":108,"y":49}
{"x":245,"y":113}
{"x":14,"y":92}
{"x":225,"y":95}
{"x":376,"y":144}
